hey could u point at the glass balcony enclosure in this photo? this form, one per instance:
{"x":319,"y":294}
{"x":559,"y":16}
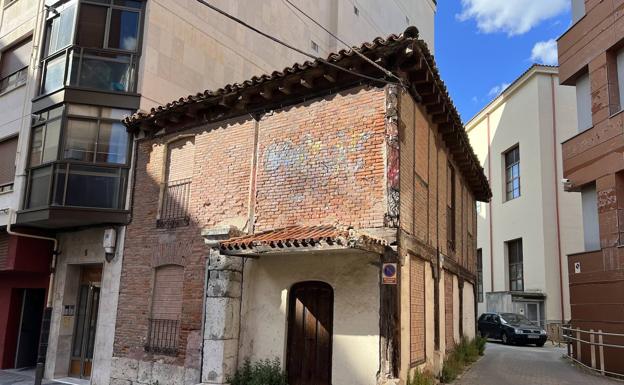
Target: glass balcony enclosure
{"x":78,"y":158}
{"x":92,"y":44}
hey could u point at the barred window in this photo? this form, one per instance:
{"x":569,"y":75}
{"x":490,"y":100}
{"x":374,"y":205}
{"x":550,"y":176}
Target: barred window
{"x":516,"y":269}
{"x":512,"y":173}
{"x":176,"y":189}
{"x":164,"y":324}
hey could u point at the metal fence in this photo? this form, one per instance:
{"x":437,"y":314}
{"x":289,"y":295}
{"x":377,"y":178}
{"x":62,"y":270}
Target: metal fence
{"x":174,"y":210}
{"x":577,"y":339}
{"x":162,"y":336}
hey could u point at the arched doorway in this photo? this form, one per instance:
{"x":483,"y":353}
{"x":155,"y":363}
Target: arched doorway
{"x":310,"y":328}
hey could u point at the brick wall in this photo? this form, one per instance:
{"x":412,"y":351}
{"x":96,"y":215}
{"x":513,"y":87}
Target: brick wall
{"x":318,"y":162}
{"x":417,"y":310}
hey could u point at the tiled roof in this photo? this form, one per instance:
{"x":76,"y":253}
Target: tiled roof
{"x":299,"y":238}
{"x":405,"y":55}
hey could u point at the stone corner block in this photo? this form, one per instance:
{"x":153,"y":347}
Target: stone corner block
{"x":219,"y":360}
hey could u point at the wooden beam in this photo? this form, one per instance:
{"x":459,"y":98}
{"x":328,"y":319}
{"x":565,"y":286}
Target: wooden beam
{"x":286,"y":89}
{"x":307,"y":82}
{"x":331,"y":75}
{"x":266,"y":93}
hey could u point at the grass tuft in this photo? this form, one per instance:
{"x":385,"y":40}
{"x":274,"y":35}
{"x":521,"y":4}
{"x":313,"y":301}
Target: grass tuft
{"x":465,"y":353}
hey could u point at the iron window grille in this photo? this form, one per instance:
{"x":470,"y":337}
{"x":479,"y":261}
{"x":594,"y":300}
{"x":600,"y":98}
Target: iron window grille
{"x":163,"y":336}
{"x":174,"y":210}
{"x":516,"y":268}
{"x":512,"y":173}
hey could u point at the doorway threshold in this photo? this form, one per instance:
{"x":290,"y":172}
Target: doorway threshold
{"x":72,"y":381}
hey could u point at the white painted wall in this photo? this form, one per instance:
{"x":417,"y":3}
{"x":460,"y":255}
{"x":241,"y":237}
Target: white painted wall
{"x":469,"y":311}
{"x":523,"y":115}
{"x":355,"y":281}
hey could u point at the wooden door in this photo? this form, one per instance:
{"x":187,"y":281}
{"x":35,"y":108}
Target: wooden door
{"x":310,"y":327}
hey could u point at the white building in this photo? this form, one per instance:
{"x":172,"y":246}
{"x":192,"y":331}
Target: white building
{"x":526,"y":231}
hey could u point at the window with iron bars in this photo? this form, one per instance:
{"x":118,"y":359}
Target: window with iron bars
{"x":174,"y":210}
{"x":163,"y":336}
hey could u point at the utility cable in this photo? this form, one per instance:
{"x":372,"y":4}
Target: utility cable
{"x":355,"y":49}
{"x":241,"y":22}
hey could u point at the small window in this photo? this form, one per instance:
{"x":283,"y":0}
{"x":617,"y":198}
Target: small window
{"x":583,"y":103}
{"x":45,"y":137}
{"x":176,"y":189}
{"x":480,"y":275}
{"x":109,"y":26}
{"x":14,"y":65}
{"x":512,"y":173}
{"x":515,"y":266}
{"x":164,"y":324}
{"x":314,"y":46}
{"x":59,"y":28}
{"x":8,"y":150}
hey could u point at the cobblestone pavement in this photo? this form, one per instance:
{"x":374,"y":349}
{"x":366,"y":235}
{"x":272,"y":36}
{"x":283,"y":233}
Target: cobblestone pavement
{"x":20,"y":377}
{"x":528,"y":365}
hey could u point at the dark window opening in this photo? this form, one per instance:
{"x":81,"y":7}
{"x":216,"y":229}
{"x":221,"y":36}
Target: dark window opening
{"x":516,"y":268}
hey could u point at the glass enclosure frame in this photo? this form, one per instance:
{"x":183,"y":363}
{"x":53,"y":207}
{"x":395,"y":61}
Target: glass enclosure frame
{"x":71,"y":57}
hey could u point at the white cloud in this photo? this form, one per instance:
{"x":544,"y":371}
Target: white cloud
{"x":497,"y":90}
{"x":545,"y":52}
{"x":513,"y":17}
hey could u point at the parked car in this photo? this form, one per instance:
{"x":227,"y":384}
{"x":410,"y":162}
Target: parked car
{"x":511,"y":329}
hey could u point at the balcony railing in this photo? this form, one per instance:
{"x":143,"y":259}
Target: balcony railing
{"x":14,"y":80}
{"x":162,"y":336}
{"x":77,"y":185}
{"x":102,"y":70}
{"x":174,"y":210}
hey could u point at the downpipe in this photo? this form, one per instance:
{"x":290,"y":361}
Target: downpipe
{"x":47,"y":312}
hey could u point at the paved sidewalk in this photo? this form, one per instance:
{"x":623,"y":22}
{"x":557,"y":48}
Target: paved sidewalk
{"x":528,"y":365}
{"x":20,"y":377}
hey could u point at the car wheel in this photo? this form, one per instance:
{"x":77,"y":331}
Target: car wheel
{"x":540,"y":344}
{"x":506,"y":339}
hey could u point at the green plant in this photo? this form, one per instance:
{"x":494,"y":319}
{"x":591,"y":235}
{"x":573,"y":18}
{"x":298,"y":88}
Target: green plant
{"x":420,"y":378}
{"x":264,"y":372}
{"x":480,"y":343}
{"x":451,"y":369}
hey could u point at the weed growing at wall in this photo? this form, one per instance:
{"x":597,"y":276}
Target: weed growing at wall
{"x":420,"y":378}
{"x":264,"y":372}
{"x":464,"y":354}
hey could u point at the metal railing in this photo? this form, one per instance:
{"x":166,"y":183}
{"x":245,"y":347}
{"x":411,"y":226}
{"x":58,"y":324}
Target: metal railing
{"x":174,"y":210}
{"x":576,"y":338}
{"x":162,"y":336}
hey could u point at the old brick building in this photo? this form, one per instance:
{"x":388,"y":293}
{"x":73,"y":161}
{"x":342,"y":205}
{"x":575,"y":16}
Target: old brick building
{"x":264,"y":214}
{"x":591,"y":57}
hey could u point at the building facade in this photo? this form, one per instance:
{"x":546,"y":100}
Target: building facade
{"x":530,"y":225}
{"x":71,"y":70}
{"x":591,"y":58}
{"x":310,"y":216}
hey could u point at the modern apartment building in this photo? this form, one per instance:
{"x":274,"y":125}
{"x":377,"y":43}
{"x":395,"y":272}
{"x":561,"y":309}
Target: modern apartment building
{"x":591,"y":58}
{"x":71,"y":70}
{"x":530,"y":225}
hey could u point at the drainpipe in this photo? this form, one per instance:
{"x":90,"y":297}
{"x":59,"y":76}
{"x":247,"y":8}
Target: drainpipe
{"x":554,"y":127}
{"x":47,"y":314}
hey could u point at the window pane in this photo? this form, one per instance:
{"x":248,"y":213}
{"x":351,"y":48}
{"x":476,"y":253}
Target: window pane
{"x":59,"y":185}
{"x":124,"y":28}
{"x":59,"y":30}
{"x":104,"y":72}
{"x":90,"y":186}
{"x":39,"y":187}
{"x":54,"y":73}
{"x":50,"y":147}
{"x":112,"y":143}
{"x":83,"y":110}
{"x":91,"y":26}
{"x":80,"y":140}
{"x":128,"y":3}
{"x":115,"y":113}
{"x":36,"y":146}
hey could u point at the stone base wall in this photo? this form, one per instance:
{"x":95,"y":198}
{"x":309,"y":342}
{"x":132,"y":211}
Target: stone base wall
{"x":127,"y":371}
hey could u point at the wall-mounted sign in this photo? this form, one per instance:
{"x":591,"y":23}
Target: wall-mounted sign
{"x":389,"y":274}
{"x":69,"y":310}
{"x":577,"y":267}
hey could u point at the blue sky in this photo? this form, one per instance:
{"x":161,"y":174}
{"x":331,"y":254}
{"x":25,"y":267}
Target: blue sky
{"x":483,"y":45}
